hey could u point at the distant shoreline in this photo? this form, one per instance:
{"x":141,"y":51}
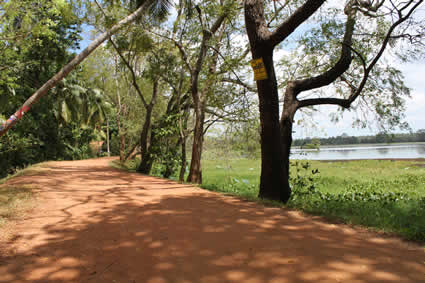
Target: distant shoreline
{"x":362,"y":145}
{"x":379,"y":159}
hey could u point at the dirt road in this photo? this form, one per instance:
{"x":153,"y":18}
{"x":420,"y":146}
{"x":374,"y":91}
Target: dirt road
{"x":93,"y":223}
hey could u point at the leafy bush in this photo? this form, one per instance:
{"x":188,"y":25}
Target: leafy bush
{"x":378,"y":203}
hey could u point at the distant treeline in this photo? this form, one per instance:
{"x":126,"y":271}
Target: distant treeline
{"x":418,"y":136}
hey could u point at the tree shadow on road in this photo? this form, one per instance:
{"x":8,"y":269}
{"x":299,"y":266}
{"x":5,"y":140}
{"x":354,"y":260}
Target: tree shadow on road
{"x":133,"y":232}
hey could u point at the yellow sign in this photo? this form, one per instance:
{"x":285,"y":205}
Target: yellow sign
{"x":260,"y":72}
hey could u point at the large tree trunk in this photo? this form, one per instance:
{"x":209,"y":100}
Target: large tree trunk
{"x":145,"y":166}
{"x":147,"y":161}
{"x":290,"y":106}
{"x":199,"y":99}
{"x":274,"y":180}
{"x":195,"y":173}
{"x":67,"y":69}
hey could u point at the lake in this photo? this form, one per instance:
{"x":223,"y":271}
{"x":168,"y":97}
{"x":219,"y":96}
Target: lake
{"x":376,"y":151}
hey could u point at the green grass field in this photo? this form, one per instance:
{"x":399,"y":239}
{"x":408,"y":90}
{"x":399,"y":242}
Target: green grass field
{"x":384,"y":195}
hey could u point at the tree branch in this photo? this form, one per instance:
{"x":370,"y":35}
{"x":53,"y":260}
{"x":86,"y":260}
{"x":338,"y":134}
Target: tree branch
{"x":238,"y":81}
{"x":340,"y":66}
{"x":369,"y":68}
{"x":295,"y":20}
{"x":345,"y":103}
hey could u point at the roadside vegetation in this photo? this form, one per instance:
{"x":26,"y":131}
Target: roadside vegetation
{"x":383,"y":195}
{"x":16,"y":199}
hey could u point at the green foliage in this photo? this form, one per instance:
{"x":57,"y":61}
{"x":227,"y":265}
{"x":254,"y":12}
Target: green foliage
{"x":388,"y":197}
{"x":36,"y":39}
{"x":165,"y":146}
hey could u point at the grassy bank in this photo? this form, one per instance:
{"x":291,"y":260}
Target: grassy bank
{"x":385,"y":195}
{"x":15,"y":200}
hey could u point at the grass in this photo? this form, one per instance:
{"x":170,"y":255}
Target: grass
{"x":129,"y":165}
{"x":28,"y":171}
{"x":384,"y":195}
{"x":15,"y":200}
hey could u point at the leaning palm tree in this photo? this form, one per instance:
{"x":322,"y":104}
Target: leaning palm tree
{"x":156,"y":7}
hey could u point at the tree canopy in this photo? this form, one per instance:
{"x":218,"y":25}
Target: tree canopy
{"x":164,"y":72}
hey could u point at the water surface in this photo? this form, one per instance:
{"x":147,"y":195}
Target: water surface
{"x":378,"y":151}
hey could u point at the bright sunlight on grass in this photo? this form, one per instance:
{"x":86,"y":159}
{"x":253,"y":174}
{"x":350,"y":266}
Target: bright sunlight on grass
{"x":13,"y":201}
{"x":383,"y":194}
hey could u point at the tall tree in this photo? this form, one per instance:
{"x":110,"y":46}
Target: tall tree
{"x":200,"y":60}
{"x":383,"y":21}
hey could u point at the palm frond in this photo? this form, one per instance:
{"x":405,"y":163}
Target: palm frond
{"x":157,"y":9}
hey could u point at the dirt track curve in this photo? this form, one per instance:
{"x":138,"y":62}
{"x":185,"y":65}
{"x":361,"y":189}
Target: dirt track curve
{"x":93,"y":223}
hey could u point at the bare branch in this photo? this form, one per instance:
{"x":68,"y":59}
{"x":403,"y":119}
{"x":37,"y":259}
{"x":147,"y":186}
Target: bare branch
{"x":238,"y":81}
{"x":295,"y":20}
{"x":342,"y":65}
{"x":345,"y":103}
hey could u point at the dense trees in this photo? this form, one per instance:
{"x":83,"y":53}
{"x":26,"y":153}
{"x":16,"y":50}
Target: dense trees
{"x":35,"y":39}
{"x":163,"y":81}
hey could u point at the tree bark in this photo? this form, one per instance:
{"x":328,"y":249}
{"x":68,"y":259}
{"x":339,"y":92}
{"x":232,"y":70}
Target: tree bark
{"x":195,"y":173}
{"x":183,"y":162}
{"x":146,"y":164}
{"x":118,"y":117}
{"x":274,"y":180}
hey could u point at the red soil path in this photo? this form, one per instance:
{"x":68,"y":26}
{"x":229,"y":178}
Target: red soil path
{"x":93,"y":223}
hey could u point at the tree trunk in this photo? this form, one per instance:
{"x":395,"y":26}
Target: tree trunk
{"x":286,"y":124}
{"x":286,"y":138}
{"x":118,"y":117}
{"x":108,"y":148}
{"x":274,"y":180}
{"x":183,"y":163}
{"x":132,"y":152}
{"x":144,"y":166}
{"x":195,"y":172}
